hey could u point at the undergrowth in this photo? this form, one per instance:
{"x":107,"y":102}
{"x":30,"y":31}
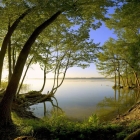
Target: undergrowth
{"x":61,"y":127}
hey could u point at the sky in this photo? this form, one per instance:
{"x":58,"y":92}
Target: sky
{"x":100,"y":35}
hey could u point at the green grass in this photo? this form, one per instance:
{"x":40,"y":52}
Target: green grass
{"x":61,"y":127}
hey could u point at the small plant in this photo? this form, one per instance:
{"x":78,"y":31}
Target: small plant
{"x":94,"y":119}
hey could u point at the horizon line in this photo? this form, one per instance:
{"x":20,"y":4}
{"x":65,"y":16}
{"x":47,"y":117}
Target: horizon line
{"x":72,"y":78}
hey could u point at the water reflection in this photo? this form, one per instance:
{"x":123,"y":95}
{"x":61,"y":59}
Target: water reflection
{"x":80,"y":98}
{"x":48,"y":112}
{"x":122,"y":101}
{"x":56,"y":108}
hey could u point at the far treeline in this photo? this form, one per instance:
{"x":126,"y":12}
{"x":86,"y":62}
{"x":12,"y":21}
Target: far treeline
{"x":120,"y":58}
{"x":43,"y":32}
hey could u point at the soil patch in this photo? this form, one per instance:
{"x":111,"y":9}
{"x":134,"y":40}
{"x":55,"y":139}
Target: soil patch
{"x":130,"y":115}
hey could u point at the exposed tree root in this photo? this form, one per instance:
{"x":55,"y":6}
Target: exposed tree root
{"x":25,"y":138}
{"x":33,"y":98}
{"x":134,"y":136}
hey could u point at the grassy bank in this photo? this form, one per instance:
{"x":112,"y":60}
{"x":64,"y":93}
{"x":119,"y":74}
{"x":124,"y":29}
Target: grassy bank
{"x":61,"y":128}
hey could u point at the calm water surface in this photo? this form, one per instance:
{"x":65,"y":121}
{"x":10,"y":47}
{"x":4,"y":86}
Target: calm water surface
{"x":79,"y":98}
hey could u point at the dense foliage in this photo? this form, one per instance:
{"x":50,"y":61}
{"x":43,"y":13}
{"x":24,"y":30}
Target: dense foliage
{"x":122,"y":56}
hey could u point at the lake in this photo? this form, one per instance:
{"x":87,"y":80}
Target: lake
{"x":79,"y":98}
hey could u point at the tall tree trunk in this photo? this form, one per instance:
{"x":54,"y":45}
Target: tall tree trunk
{"x":136,"y":95}
{"x":122,"y":80}
{"x":118,"y":101}
{"x":7,"y":38}
{"x":115,"y":73}
{"x":135,"y":74}
{"x":119,"y":94}
{"x":14,"y":58}
{"x":5,"y":105}
{"x":24,"y":77}
{"x":136,"y":80}
{"x":137,"y":84}
{"x":115,"y":78}
{"x":9,"y":60}
{"x":45,"y":111}
{"x":115,"y":93}
{"x":127,"y":77}
{"x":118,"y":73}
{"x":44,"y":80}
{"x":131,"y":81}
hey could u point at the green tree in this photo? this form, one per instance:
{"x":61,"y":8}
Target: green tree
{"x":125,"y":22}
{"x":107,"y":62}
{"x":78,"y":12}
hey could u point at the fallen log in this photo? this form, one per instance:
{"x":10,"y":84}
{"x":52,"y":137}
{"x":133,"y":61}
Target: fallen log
{"x":30,"y":95}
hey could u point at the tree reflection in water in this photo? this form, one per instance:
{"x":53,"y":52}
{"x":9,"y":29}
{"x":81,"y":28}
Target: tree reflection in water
{"x":56,"y":109}
{"x":112,"y":107}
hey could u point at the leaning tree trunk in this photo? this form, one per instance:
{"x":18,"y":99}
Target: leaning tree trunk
{"x":14,"y":57}
{"x":54,"y":89}
{"x":9,"y":57}
{"x":7,"y":38}
{"x":58,"y":68}
{"x":6,"y":103}
{"x":24,"y":77}
{"x":9,"y":61}
{"x":44,"y":80}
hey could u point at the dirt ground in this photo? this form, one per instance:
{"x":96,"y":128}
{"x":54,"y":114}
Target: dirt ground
{"x":130,"y":115}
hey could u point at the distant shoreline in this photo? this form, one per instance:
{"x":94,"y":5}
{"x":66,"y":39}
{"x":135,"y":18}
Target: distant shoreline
{"x":73,"y":78}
